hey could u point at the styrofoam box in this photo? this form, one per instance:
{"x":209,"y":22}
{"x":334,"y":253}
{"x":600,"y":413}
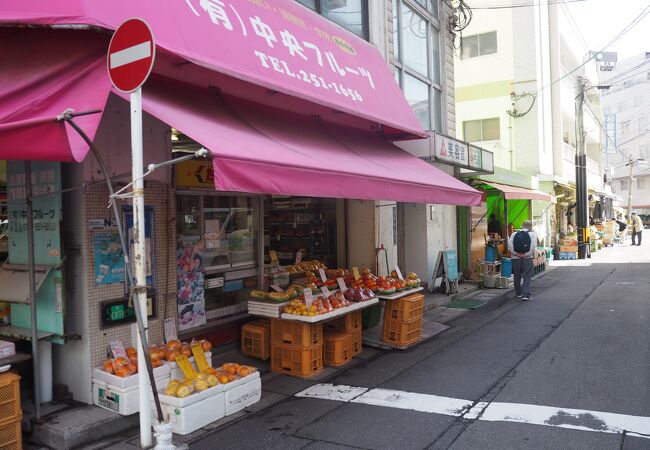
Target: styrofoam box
{"x":131,"y":380}
{"x":122,"y":401}
{"x":7,"y":349}
{"x":243,"y":392}
{"x":194,"y":411}
{"x":177,"y":373}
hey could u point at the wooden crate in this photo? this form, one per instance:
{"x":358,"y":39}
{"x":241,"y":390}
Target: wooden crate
{"x":256,"y":340}
{"x":11,"y":435}
{"x":296,"y":334}
{"x":299,"y":362}
{"x":337,"y":348}
{"x":399,"y":332}
{"x":349,"y":323}
{"x":9,"y":397}
{"x":405,"y":308}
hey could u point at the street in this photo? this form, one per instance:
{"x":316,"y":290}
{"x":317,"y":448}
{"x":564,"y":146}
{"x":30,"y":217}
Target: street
{"x":567,"y":370}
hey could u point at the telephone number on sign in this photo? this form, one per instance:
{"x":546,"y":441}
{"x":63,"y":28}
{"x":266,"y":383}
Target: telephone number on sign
{"x":281,"y":66}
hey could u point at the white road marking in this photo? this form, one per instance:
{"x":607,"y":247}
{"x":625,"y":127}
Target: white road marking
{"x":577,"y":419}
{"x":130,"y":54}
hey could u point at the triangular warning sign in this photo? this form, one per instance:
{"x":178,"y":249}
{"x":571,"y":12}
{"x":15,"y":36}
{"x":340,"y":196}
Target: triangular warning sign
{"x":443,"y":150}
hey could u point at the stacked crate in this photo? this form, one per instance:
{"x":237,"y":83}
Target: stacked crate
{"x":10,"y":412}
{"x":343,"y":339}
{"x":569,"y":248}
{"x":256,"y":339}
{"x":403,"y":320}
{"x":296,"y":347}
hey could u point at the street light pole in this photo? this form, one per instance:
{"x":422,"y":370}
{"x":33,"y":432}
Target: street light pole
{"x":582,"y":208}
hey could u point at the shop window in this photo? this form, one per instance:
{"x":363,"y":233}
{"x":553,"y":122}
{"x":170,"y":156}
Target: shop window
{"x":482,"y":130}
{"x":416,"y":46}
{"x":350,"y":14}
{"x":479,"y":45}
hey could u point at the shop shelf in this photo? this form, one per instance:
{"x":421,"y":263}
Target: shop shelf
{"x":405,"y":308}
{"x":298,"y":362}
{"x":256,"y":340}
{"x":337,"y":348}
{"x":331,"y":315}
{"x":296,"y":334}
{"x":349,"y":323}
{"x":402,"y":333}
{"x":11,"y":435}
{"x":9,"y":397}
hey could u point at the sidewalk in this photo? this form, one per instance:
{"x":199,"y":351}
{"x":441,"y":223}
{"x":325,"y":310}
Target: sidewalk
{"x":96,"y":428}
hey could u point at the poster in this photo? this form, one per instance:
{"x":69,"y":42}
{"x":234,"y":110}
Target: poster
{"x":109,"y":259}
{"x":191,"y":285}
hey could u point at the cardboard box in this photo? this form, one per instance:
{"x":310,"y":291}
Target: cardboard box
{"x":568,"y":242}
{"x":569,"y":248}
{"x":7,"y":349}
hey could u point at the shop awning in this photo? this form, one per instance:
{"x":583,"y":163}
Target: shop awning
{"x":276,"y":47}
{"x":263,"y":151}
{"x":518,"y":193}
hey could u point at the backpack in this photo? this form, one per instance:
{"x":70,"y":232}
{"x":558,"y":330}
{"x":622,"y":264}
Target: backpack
{"x":521,"y":242}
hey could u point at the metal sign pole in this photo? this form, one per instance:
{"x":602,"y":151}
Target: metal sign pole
{"x":139,"y":261}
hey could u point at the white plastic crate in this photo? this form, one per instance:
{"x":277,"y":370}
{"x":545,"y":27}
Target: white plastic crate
{"x":177,"y":373}
{"x":195,"y":411}
{"x":244,"y":392}
{"x":122,"y":401}
{"x":131,"y":380}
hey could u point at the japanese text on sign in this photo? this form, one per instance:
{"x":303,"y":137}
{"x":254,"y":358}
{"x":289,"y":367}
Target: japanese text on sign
{"x":451,"y":150}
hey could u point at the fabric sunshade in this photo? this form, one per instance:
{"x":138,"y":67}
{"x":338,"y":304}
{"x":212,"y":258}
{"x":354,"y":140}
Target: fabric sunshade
{"x":262,"y":151}
{"x":518,"y":193}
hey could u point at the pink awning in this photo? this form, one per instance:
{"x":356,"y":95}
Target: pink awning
{"x":518,"y":193}
{"x":262,"y":151}
{"x":279,"y":45}
{"x":41,"y":78}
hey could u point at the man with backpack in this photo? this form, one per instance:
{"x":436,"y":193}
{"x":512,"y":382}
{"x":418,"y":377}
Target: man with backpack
{"x":522,"y":245}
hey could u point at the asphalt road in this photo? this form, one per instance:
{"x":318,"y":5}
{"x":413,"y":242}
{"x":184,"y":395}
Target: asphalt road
{"x":582,"y":343}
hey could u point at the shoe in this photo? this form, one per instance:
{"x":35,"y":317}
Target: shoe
{"x":518,"y":296}
{"x":527,"y":297}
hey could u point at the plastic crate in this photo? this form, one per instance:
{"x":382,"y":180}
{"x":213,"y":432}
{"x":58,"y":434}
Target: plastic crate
{"x":402,"y":333}
{"x":357,"y":343}
{"x":405,"y":308}
{"x":9,"y":397}
{"x":337,"y":348}
{"x":296,"y":334}
{"x":11,"y":435}
{"x":256,"y":340}
{"x":568,"y":255}
{"x":295,"y":361}
{"x":348,"y":324}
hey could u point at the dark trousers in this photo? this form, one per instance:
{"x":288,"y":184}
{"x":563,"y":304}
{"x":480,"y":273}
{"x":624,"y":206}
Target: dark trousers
{"x":522,"y":268}
{"x":636,"y":234}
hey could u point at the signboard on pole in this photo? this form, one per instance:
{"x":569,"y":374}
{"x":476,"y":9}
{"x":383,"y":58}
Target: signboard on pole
{"x":131,"y":55}
{"x":451,"y":150}
{"x":610,"y":129}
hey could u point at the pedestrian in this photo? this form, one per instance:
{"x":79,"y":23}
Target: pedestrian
{"x":637,"y":228}
{"x":522,"y":245}
{"x":622,"y":229}
{"x":494,"y":226}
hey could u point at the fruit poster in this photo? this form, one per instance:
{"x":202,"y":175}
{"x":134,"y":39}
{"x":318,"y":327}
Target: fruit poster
{"x":191,"y":285}
{"x":109,"y":259}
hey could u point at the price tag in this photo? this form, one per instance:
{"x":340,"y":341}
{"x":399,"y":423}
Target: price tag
{"x":298,"y":256}
{"x":170,"y":329}
{"x":342,"y":285}
{"x":274,"y":255}
{"x":276,"y":288}
{"x":186,"y":367}
{"x":326,"y":292}
{"x":117,"y":349}
{"x":199,"y":357}
{"x":309,"y":297}
{"x":355,"y":272}
{"x":323,"y":277}
{"x":399,"y":273}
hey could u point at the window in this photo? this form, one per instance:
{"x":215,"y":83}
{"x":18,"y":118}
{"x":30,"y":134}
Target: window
{"x":643,"y":151}
{"x":482,"y":130}
{"x":624,"y":184}
{"x":416,"y":46}
{"x":350,"y":14}
{"x":640,"y":183}
{"x":479,"y":44}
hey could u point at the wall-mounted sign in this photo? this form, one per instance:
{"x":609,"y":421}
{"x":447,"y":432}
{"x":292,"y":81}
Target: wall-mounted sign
{"x":487,"y":161}
{"x":610,"y":129}
{"x":475,"y":157}
{"x":451,"y":150}
{"x":101,"y":224}
{"x":195,"y":174}
{"x":118,"y":312}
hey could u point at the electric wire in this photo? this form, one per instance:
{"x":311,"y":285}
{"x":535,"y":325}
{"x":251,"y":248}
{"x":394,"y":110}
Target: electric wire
{"x":525,"y":5}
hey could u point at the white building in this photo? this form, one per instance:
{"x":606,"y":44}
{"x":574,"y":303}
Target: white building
{"x":515,"y":78}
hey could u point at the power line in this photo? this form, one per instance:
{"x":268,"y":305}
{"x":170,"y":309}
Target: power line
{"x":624,"y":73}
{"x":525,"y":5}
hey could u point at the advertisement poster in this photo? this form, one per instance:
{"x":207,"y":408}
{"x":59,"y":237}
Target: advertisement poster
{"x":191,"y":285}
{"x":109,"y":260}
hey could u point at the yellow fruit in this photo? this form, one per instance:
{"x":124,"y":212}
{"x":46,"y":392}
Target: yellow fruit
{"x":201,"y":385}
{"x":201,"y":376}
{"x":212,"y":380}
{"x":183,"y":391}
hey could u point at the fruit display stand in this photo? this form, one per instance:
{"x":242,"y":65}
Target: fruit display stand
{"x":333,"y":314}
{"x":195,"y":411}
{"x":400,"y":294}
{"x":176,"y":372}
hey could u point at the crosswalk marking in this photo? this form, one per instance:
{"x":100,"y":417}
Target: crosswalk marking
{"x":578,"y":419}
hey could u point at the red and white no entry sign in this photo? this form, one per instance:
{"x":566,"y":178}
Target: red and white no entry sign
{"x":131,"y":54}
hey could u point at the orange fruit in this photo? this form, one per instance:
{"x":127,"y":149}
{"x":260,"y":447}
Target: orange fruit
{"x":156,"y":363}
{"x":133,"y":359}
{"x":211,"y":371}
{"x":122,"y":372}
{"x":131,"y":351}
{"x":243,"y":371}
{"x":223,"y":379}
{"x":186,"y":350}
{"x":108,"y":366}
{"x":119,"y":362}
{"x":174,"y":344}
{"x":171,"y":355}
{"x":231,"y":368}
{"x":207,"y":345}
{"x":232,"y":377}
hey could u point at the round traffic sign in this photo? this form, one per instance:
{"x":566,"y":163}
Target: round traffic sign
{"x":131,"y":55}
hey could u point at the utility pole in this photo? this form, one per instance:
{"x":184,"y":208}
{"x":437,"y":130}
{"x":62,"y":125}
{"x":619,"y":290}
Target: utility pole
{"x":582,"y":205}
